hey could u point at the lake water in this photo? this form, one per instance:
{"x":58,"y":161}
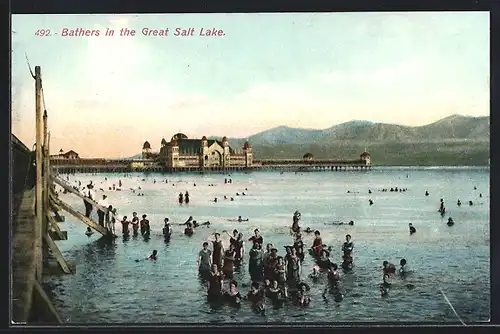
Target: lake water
{"x":111,"y":287}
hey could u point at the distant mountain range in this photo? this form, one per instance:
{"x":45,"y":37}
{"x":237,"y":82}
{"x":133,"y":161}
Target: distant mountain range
{"x":452,"y":140}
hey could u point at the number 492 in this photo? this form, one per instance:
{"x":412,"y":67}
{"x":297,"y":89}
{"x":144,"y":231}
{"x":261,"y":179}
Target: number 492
{"x":42,"y":32}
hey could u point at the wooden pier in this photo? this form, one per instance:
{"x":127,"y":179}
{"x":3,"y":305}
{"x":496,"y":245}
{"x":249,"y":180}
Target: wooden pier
{"x":35,"y":219}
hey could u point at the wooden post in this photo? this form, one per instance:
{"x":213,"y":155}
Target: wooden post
{"x":39,"y":162}
{"x":46,"y":180}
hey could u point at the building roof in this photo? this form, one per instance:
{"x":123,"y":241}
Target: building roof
{"x":365,"y":154}
{"x":163,"y":141}
{"x":247,"y":145}
{"x":194,"y":145}
{"x":146,"y":145}
{"x":307,"y":155}
{"x":179,"y":136}
{"x":70,"y":152}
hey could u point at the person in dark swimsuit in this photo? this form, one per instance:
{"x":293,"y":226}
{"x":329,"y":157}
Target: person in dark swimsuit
{"x":276,"y":293}
{"x":214,"y":284}
{"x":217,"y":250}
{"x":135,"y":224}
{"x":292,"y":263}
{"x":186,"y":197}
{"x":239,"y":249}
{"x":280,"y":271}
{"x":256,"y":296}
{"x":145,"y":228}
{"x":301,"y":297}
{"x":228,"y":267}
{"x":257,"y":238}
{"x":412,"y":229}
{"x":181,"y":198}
{"x":189,"y":230}
{"x":317,"y":244}
{"x":125,"y":224}
{"x":270,"y":264}
{"x":348,"y":246}
{"x":255,"y":264}
{"x":232,"y":295}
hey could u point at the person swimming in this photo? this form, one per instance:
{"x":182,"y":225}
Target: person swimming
{"x":412,"y":229}
{"x":426,"y":193}
{"x":89,"y":232}
{"x":153,"y":256}
{"x":314,"y":275}
{"x":370,"y":202}
{"x":459,"y":203}
{"x":450,"y":222}
{"x":388,"y":267}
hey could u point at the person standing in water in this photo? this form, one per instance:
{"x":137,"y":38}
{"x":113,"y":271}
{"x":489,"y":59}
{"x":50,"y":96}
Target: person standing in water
{"x":181,"y":198}
{"x":186,"y":197}
{"x":204,"y":261}
{"x":228,"y":266}
{"x":317,"y":246}
{"x":348,"y":245}
{"x":89,"y":193}
{"x":125,"y":223}
{"x":217,"y":250}
{"x":145,"y":228}
{"x":101,"y":214}
{"x":214,"y":284}
{"x":135,"y":223}
{"x":167,"y":231}
{"x":412,"y":229}
{"x":257,"y":238}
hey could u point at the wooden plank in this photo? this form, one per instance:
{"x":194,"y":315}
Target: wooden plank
{"x":77,"y":193}
{"x":39,"y":172}
{"x":56,"y":228}
{"x":45,"y":301}
{"x":89,"y":222}
{"x":62,"y":235}
{"x":57,"y":253}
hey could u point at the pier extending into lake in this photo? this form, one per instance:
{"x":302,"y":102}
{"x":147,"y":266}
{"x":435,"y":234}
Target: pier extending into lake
{"x":99,"y":165}
{"x":35,"y":222}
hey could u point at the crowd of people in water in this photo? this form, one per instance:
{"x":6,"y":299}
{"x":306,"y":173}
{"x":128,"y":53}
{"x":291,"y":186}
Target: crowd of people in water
{"x":275,"y":278}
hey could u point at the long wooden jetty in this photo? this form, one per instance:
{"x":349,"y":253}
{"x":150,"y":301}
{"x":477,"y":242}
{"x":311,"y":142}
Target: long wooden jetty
{"x":35,"y":218}
{"x":98,"y":165}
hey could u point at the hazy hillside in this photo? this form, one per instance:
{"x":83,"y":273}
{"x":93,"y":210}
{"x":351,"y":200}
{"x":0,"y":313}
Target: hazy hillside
{"x":454,"y":140}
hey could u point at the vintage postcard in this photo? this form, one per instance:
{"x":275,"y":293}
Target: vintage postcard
{"x":251,"y":168}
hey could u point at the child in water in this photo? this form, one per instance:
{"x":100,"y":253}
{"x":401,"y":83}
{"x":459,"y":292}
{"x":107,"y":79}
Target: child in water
{"x":89,"y":232}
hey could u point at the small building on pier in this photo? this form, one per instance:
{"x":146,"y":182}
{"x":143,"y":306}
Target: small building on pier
{"x":68,"y":155}
{"x":183,"y":152}
{"x":366,"y":158}
{"x":308,"y":157}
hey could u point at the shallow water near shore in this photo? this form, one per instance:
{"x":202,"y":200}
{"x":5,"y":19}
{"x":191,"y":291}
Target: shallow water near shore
{"x":111,"y":287}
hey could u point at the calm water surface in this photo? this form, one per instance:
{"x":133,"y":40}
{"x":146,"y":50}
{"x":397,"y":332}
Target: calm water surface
{"x":110,"y":287}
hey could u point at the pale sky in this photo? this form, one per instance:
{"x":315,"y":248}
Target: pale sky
{"x":105,"y":96}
